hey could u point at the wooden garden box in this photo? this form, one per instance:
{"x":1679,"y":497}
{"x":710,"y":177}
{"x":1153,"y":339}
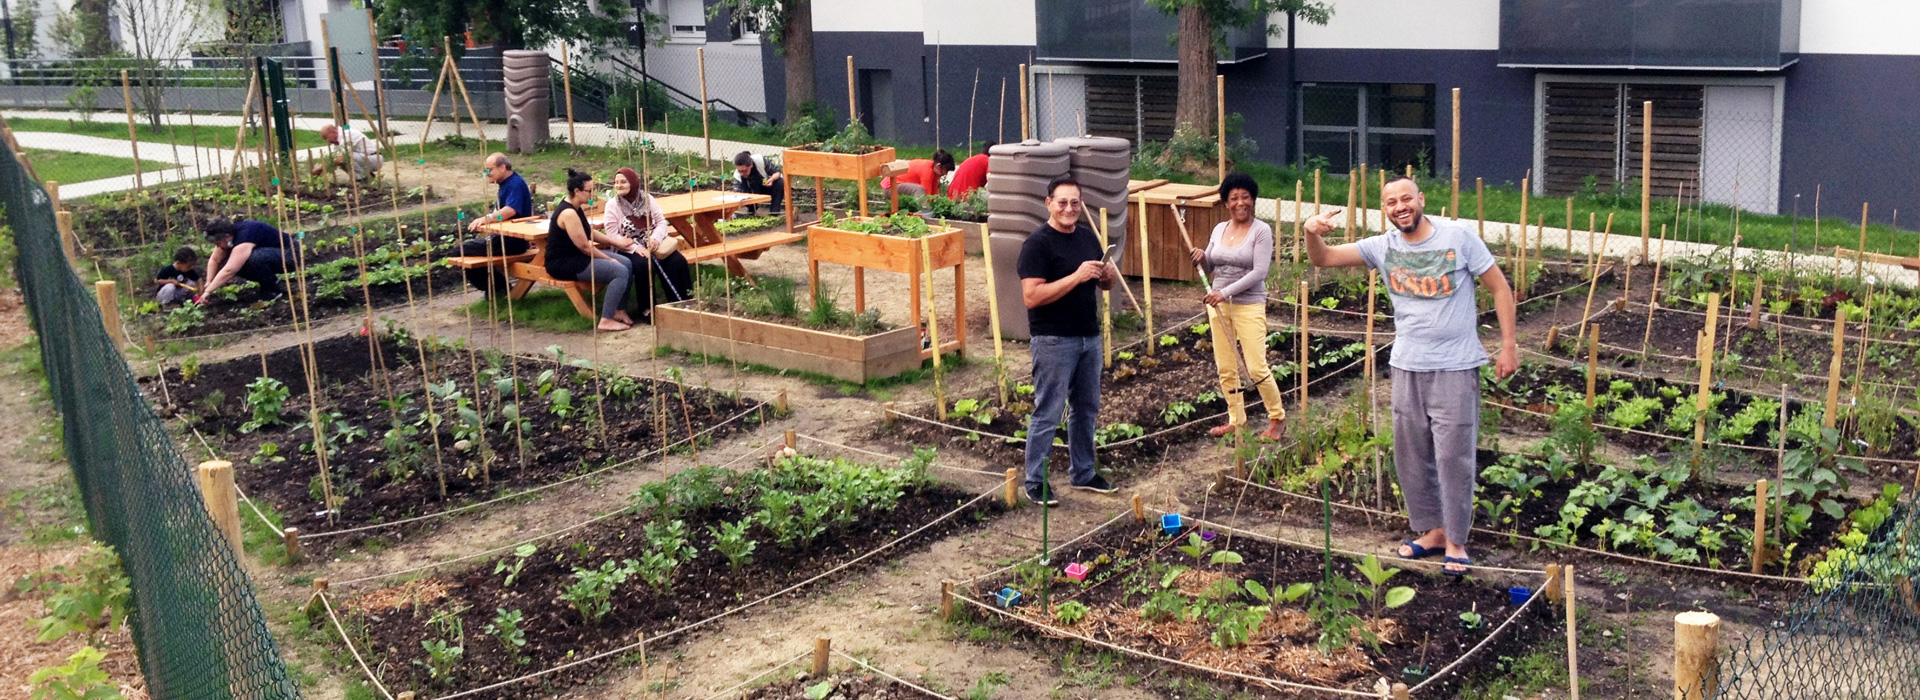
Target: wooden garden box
{"x":1171,"y":259}
{"x":821,"y":166}
{"x":946,"y":246}
{"x":848,"y":357}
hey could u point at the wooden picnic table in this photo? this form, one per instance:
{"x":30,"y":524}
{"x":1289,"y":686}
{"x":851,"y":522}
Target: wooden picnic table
{"x":693,"y":216}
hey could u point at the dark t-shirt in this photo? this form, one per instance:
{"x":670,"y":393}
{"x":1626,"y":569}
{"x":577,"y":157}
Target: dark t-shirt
{"x":564,"y":259}
{"x":262,"y":235}
{"x":1050,"y":255}
{"x":514,"y":193}
{"x":172,"y":274}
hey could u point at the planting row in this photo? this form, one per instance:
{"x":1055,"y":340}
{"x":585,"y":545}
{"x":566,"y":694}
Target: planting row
{"x":402,"y":438}
{"x":702,"y":542}
{"x":153,"y":213}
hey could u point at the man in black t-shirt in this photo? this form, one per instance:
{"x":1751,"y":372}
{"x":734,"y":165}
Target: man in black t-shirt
{"x":178,"y":280}
{"x":1060,"y":267}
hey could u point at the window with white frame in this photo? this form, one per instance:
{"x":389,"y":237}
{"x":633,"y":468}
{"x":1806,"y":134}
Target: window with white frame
{"x":687,"y":18}
{"x":746,"y":26}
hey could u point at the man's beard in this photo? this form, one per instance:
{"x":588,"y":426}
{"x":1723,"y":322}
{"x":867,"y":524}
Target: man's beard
{"x":1410,"y":228}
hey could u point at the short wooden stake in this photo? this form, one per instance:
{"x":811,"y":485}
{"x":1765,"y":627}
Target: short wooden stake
{"x":791,"y":440}
{"x":291,"y":538}
{"x":68,"y":243}
{"x":1139,"y":509}
{"x":1696,"y":643}
{"x":53,"y":192}
{"x":886,"y":414}
{"x":1573,"y":637}
{"x":1833,"y":368}
{"x":946,"y":601}
{"x":822,"y":651}
{"x":1552,"y":586}
{"x":1859,"y":262}
{"x":1303,"y":346}
{"x":106,"y":292}
{"x":1401,"y":692}
{"x":1759,"y":523}
{"x":222,"y":499}
{"x":1220,"y":112}
{"x":1593,"y":365}
{"x":1146,"y":271}
{"x":1013,"y":476}
{"x":1753,"y":310}
{"x":1553,"y":335}
{"x":313,"y":606}
{"x":780,"y":402}
{"x":1705,"y":359}
{"x":993,"y":315}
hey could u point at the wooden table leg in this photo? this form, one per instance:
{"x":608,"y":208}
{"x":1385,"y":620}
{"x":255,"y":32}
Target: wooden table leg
{"x":960,"y":306}
{"x":786,"y":184}
{"x":860,"y":289}
{"x":913,"y":287}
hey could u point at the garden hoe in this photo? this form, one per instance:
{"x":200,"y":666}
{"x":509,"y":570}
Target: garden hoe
{"x":1180,"y":216}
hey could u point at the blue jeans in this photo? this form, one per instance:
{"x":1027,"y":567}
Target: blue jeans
{"x":1066,"y":370}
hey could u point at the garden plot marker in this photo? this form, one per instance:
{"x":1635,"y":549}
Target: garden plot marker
{"x":1696,"y":642}
{"x":1833,"y":368}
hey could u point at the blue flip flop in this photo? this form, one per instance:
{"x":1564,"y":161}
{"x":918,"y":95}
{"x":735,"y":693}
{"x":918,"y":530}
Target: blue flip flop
{"x":1463,"y":561}
{"x":1419,"y":552}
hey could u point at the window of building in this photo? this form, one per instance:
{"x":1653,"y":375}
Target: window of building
{"x":1381,"y":124}
{"x":687,"y":18}
{"x":746,"y":26}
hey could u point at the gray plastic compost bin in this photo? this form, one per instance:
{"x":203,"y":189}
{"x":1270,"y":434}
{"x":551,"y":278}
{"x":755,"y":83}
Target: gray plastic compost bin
{"x":1017,"y":177}
{"x":1102,"y":164}
{"x":529,"y":93}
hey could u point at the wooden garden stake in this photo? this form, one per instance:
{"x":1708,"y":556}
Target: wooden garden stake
{"x":972,"y":101}
{"x":1026,"y":126}
{"x":1454,"y":200}
{"x":1833,"y":368}
{"x":853,"y":108}
{"x":133,"y":139}
{"x":1139,"y":509}
{"x":1593,"y":365}
{"x":290,"y":538}
{"x":1002,"y":138}
{"x":566,"y":83}
{"x":1298,"y":216}
{"x":404,"y":695}
{"x":1573,"y":642}
{"x":1353,"y":182}
{"x":1360,"y":196}
{"x":946,"y":600}
{"x":1866,"y":336}
{"x":1146,"y":275}
{"x":1753,"y":308}
{"x":706,"y":129}
{"x":780,"y":402}
{"x":1780,"y":457}
{"x":1106,"y":303}
{"x":1520,"y":273}
{"x":1593,"y":283}
{"x":1526,"y":195}
{"x":1220,"y":110}
{"x":933,"y":327}
{"x":106,"y":292}
{"x":1696,"y":643}
{"x":1316,"y":192}
{"x":886,"y":414}
{"x":1759,"y":523}
{"x":790,"y":439}
{"x":1646,"y":179}
{"x":1859,"y":262}
{"x":822,"y":649}
{"x":1373,"y":378}
{"x":1303,"y":347}
{"x":1555,"y":593}
{"x":1705,"y":358}
{"x":1401,"y":692}
{"x":1013,"y":476}
{"x":1480,"y":205}
{"x":217,"y":490}
{"x":1553,"y":335}
{"x":993,"y":317}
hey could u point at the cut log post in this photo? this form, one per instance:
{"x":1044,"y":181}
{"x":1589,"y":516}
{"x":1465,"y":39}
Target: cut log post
{"x":790,"y":439}
{"x":1013,"y":477}
{"x":70,"y":245}
{"x":1753,"y":308}
{"x":1759,"y":523}
{"x":1139,"y":509}
{"x":886,"y":414}
{"x":1706,"y":371}
{"x":1552,"y":586}
{"x":946,"y":601}
{"x":822,"y":647}
{"x":222,"y":499}
{"x":780,"y":402}
{"x":1696,"y":643}
{"x":291,"y":538}
{"x":107,"y":293}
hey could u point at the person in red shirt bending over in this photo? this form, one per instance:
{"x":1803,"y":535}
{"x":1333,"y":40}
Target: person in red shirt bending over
{"x":970,"y":176}
{"x":923,"y":175}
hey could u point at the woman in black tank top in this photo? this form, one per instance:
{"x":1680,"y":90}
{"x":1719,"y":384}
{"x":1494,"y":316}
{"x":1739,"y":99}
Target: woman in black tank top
{"x":572,"y":255}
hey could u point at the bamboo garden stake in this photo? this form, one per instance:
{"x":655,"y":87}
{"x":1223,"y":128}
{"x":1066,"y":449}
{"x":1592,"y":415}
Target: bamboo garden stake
{"x":1646,"y":178}
{"x":1526,"y":192}
{"x":1146,"y":275}
{"x":706,"y":129}
{"x":993,"y":318}
{"x":1298,"y":216}
{"x":1303,"y":348}
{"x":1106,"y":303}
{"x":853,"y":109}
{"x":1026,"y":131}
{"x":1704,"y":356}
{"x":1759,"y":523}
{"x":933,"y":327}
{"x":1220,"y":110}
{"x":1480,"y":206}
{"x":1573,"y":643}
{"x":566,"y":84}
{"x":1859,"y":261}
{"x":1866,"y":334}
{"x":1454,"y":200}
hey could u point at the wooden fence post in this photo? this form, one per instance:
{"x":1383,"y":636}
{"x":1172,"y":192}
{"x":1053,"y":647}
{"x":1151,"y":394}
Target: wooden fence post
{"x":217,"y":490}
{"x":790,"y":439}
{"x":1833,"y":368}
{"x":1573,"y":640}
{"x":68,"y":243}
{"x":946,"y":600}
{"x":291,"y":538}
{"x":780,"y":402}
{"x":1696,"y":642}
{"x":106,"y":292}
{"x":1759,"y":523}
{"x":886,"y":414}
{"x":822,"y":650}
{"x":1753,"y":310}
{"x":1139,"y":509}
{"x":1012,"y":476}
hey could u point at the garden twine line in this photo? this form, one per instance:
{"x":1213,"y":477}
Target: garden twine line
{"x":530,"y":540}
{"x":536,"y":489}
{"x":1537,"y":540}
{"x":1673,"y":438}
{"x":1495,"y":634}
{"x":881,"y":455}
{"x":1570,"y":364}
{"x":763,"y":674}
{"x":725,"y":613}
{"x":1029,"y":374}
{"x":1048,"y":553}
{"x":1270,"y":682}
{"x":1349,"y":552}
{"x":890,"y":676}
{"x":347,"y":640}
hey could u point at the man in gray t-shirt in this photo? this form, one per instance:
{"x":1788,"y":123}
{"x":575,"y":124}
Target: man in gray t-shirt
{"x":1430,"y":267}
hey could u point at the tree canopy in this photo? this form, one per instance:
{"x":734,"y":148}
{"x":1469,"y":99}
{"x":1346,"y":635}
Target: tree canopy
{"x":515,"y":24}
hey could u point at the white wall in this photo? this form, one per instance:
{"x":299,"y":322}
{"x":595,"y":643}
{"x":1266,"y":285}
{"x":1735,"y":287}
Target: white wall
{"x":870,"y":15}
{"x":1401,"y":24}
{"x":1887,"y":27}
{"x":981,"y":23}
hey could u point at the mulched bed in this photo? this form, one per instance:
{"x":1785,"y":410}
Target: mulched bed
{"x":1428,"y":629}
{"x":392,"y":622}
{"x":1138,"y":392}
{"x":379,"y":485}
{"x":843,"y":687}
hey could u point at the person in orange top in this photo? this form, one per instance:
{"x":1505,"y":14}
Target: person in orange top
{"x":970,"y":176}
{"x":923,"y":175}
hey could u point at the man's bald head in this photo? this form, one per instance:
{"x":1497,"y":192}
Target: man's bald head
{"x":1403,"y":203}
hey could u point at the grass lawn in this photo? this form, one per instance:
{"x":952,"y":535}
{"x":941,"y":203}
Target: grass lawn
{"x":548,"y":168}
{"x":541,"y":309}
{"x":69,"y":167}
{"x":206,"y":136}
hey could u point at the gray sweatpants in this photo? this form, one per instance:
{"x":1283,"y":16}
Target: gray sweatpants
{"x":1436,"y":425}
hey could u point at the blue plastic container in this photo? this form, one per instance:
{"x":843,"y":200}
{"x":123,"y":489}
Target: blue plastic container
{"x":1518,"y":595}
{"x":1007,"y":597}
{"x":1170,"y":523}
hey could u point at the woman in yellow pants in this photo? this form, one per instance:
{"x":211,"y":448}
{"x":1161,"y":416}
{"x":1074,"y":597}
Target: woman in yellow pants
{"x":1238,"y":254}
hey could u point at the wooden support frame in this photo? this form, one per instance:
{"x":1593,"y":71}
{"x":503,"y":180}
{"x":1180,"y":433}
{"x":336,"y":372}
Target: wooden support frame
{"x":823,"y":166}
{"x":946,"y":246}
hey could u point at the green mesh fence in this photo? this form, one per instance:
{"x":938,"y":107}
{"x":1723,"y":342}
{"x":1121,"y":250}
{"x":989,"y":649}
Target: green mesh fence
{"x":196,"y":625}
{"x":1854,"y":633}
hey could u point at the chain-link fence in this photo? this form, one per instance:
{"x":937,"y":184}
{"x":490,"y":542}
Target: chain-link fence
{"x":1855,"y":632}
{"x":196,"y":624}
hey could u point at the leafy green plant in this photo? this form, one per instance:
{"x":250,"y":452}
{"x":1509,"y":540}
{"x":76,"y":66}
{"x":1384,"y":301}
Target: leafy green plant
{"x":591,"y":592}
{"x":265,"y":397}
{"x":1196,"y":547}
{"x":1118,"y":431}
{"x":513,"y":567}
{"x":819,"y":691}
{"x":444,"y":654}
{"x":667,"y":549}
{"x":506,"y":628}
{"x":1167,"y":341}
{"x":1377,"y":576}
{"x":89,"y":596}
{"x":1176,"y":412}
{"x":731,"y":540}
{"x":184,"y":318}
{"x":1070,"y":612}
{"x":79,"y":679}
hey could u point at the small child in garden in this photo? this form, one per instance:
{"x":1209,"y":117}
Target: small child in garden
{"x":178,"y":281}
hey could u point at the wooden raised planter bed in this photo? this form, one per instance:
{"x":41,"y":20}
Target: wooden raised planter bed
{"x":821,"y":165}
{"x":945,"y":246}
{"x":847,"y":357}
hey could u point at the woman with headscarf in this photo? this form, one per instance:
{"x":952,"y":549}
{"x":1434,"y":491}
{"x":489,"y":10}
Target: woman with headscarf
{"x":635,"y":228}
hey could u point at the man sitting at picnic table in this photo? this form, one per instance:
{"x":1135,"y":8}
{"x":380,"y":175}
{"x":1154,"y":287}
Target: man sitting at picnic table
{"x":515,"y":201}
{"x":361,"y":160}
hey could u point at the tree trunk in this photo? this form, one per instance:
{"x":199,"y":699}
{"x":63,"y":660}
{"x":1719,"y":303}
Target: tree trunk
{"x":1195,"y":112}
{"x":797,"y":44}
